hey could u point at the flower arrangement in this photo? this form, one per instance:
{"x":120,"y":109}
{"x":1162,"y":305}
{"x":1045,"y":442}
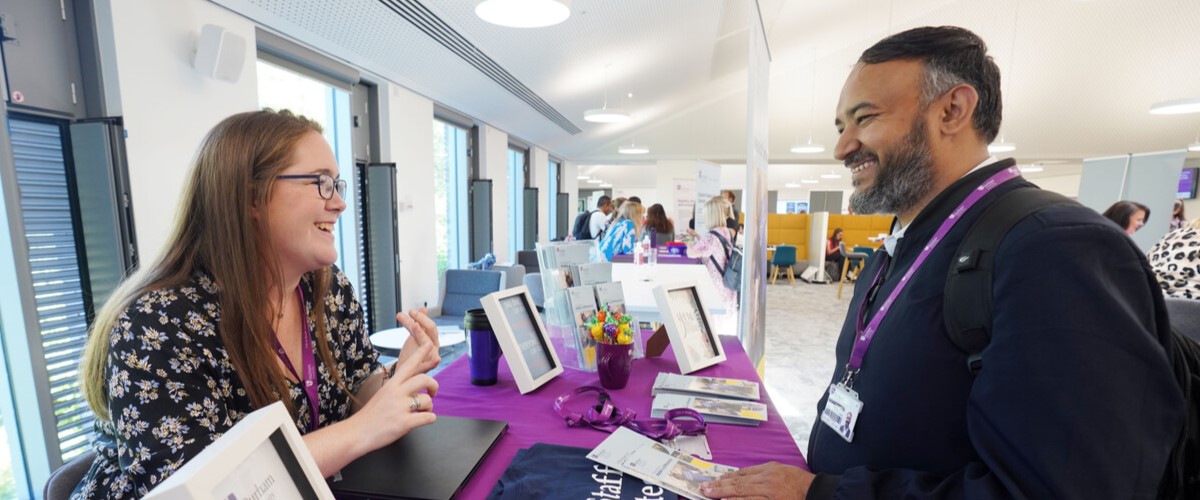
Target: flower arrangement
{"x":610,"y":326}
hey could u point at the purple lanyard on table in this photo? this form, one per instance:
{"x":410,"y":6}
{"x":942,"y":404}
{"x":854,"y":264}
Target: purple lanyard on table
{"x":607,"y":417}
{"x":309,"y":363}
{"x":865,"y":335}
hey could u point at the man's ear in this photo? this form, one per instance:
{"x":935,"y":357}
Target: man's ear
{"x":957,"y":110}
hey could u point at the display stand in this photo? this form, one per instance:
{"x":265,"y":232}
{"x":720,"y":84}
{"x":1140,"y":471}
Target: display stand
{"x":817,"y":227}
{"x":577,"y":349}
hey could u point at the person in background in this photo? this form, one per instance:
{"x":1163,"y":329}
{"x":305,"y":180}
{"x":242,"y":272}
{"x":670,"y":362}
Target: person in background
{"x":1078,"y":360}
{"x":732,"y":199}
{"x":1129,"y":215}
{"x":1178,"y":220}
{"x":616,"y":212}
{"x":833,"y":250}
{"x":635,"y":199}
{"x":709,"y":248}
{"x":599,"y":219}
{"x":625,"y":232}
{"x":1175,"y":260}
{"x":659,"y":225}
{"x":243,"y":309}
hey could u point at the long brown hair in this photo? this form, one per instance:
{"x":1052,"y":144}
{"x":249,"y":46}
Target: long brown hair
{"x":215,"y":232}
{"x":656,"y":218}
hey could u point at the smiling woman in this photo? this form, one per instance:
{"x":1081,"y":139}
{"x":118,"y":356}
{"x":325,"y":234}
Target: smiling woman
{"x":246,"y":308}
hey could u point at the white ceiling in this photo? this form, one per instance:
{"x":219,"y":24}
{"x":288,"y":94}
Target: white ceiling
{"x":1079,"y":75}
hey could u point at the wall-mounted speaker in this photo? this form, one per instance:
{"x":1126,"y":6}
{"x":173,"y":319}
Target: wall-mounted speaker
{"x":220,"y":54}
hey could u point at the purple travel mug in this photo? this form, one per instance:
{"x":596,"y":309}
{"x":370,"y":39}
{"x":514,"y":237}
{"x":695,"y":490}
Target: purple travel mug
{"x":483,"y":350}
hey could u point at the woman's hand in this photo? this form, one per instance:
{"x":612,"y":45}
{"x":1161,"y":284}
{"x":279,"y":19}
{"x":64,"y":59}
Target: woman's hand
{"x":422,"y":331}
{"x":403,"y":403}
{"x":693,"y":233}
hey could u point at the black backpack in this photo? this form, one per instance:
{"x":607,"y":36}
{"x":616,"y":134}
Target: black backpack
{"x":732,"y":273}
{"x":582,"y":229}
{"x":968,"y":316}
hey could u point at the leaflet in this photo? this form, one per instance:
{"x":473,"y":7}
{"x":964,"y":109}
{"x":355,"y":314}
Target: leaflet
{"x":715,"y":410}
{"x":654,"y":463}
{"x":705,"y":386}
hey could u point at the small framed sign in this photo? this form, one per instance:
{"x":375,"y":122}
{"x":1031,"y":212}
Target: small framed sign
{"x":522,"y":337}
{"x":263,"y":456}
{"x":688,"y":326}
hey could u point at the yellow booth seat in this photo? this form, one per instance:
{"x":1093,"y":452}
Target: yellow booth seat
{"x":857,"y":228}
{"x":789,"y":229}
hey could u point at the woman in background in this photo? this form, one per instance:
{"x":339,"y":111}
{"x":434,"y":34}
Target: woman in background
{"x":243,"y":309}
{"x":1176,"y":262}
{"x":833,"y":251}
{"x":714,"y":247}
{"x":658,"y":225}
{"x":1129,"y":215}
{"x":1177,"y":218}
{"x":620,"y":237}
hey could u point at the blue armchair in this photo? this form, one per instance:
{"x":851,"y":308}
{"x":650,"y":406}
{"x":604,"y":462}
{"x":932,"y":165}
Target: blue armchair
{"x":462,"y":289}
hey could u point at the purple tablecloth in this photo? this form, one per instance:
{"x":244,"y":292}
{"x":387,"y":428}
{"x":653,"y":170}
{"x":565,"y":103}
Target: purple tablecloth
{"x":532,"y":419}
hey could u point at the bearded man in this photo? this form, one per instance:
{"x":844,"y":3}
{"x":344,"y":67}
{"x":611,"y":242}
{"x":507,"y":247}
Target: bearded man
{"x":1075,"y":397}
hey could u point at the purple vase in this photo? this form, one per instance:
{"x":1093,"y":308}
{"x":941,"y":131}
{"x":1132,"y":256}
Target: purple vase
{"x":614,"y":362}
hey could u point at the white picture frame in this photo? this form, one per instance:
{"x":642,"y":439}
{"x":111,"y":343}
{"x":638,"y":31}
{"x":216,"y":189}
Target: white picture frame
{"x":262,"y":453}
{"x":695,"y":344}
{"x":530,"y":355}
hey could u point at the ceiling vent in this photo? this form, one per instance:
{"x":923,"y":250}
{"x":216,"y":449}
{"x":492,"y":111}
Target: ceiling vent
{"x":437,"y":29}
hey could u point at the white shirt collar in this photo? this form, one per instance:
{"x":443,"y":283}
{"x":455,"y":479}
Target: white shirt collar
{"x":889,"y":242}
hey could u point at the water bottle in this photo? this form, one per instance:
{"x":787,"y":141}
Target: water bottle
{"x":637,"y":254}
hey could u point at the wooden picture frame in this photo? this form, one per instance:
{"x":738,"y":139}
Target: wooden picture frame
{"x":685,"y":317}
{"x":523,"y":338}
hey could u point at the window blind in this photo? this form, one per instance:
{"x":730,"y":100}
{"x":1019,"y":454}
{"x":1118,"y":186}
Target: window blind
{"x":45,"y":200}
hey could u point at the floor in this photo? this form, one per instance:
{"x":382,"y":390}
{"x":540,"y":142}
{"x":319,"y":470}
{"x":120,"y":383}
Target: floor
{"x":803,"y":322}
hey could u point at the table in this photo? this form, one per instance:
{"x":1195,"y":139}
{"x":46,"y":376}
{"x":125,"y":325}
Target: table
{"x":394,"y":338}
{"x":532,"y":418}
{"x":663,"y":258}
{"x":638,"y":283}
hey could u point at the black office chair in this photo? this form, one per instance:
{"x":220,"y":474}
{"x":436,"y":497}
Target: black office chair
{"x":64,"y":479}
{"x":1185,"y":316}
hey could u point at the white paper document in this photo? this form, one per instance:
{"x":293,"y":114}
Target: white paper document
{"x":654,"y":463}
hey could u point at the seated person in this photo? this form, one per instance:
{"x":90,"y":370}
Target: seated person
{"x":245,"y":308}
{"x":658,"y":225}
{"x":1176,"y":262}
{"x":833,"y":251}
{"x":1129,"y":215}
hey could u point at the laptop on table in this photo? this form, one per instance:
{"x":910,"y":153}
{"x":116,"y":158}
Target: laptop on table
{"x":429,"y":463}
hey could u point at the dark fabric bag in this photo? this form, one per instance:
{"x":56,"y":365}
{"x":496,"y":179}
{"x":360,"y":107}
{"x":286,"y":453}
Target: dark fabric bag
{"x":732,"y":272}
{"x":582,"y":229}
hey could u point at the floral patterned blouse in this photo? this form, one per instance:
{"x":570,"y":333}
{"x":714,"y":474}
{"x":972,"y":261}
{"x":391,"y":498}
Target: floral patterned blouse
{"x":173,"y":389}
{"x":619,"y":238}
{"x":1176,"y":263}
{"x":707,"y":245}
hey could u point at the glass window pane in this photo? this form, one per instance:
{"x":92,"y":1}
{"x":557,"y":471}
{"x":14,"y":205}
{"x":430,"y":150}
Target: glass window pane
{"x":8,"y":485}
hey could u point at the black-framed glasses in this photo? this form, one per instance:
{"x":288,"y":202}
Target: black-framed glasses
{"x":325,"y":184}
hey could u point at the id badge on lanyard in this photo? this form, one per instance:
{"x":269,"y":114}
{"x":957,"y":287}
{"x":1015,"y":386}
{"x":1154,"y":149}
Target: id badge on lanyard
{"x":842,"y":410}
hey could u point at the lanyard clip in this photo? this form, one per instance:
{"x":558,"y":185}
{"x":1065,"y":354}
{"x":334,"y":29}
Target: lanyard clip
{"x":848,"y":378}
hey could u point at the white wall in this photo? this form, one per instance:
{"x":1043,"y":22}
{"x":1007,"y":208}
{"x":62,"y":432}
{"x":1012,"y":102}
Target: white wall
{"x":493,"y":164}
{"x":649,"y":196}
{"x":168,"y":106}
{"x":406,"y":134}
{"x":539,"y":162}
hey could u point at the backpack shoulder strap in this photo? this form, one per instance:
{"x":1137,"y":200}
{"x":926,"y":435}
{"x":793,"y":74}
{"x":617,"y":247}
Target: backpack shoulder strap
{"x":967,"y":304}
{"x":724,"y":246}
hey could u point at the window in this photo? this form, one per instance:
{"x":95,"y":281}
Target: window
{"x":280,"y":88}
{"x":451,"y":146}
{"x":553,"y":187}
{"x":518,"y":180}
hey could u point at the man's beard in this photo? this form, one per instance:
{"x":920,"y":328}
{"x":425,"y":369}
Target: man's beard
{"x":903,"y":181}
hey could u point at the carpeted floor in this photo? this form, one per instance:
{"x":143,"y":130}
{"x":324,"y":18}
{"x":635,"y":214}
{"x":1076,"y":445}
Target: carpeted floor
{"x":803,"y":322}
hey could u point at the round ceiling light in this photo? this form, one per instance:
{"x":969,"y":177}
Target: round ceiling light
{"x":1194,"y":147}
{"x":1001,"y":147}
{"x":831,"y":175}
{"x":633,"y":150}
{"x":606,"y":115}
{"x":1176,"y":106}
{"x":524,"y":13}
{"x":808,"y":147}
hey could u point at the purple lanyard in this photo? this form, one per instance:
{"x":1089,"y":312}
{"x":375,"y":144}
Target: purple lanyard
{"x":866,"y":334}
{"x":309,"y":363}
{"x":607,"y":417}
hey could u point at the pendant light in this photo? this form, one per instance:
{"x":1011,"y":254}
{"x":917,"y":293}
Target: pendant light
{"x":1176,"y":106}
{"x":524,"y":13}
{"x":605,"y":114}
{"x":810,"y":147}
{"x":633,"y":149}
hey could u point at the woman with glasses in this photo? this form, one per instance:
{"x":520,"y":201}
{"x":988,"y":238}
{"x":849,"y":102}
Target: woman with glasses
{"x":243,"y":309}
